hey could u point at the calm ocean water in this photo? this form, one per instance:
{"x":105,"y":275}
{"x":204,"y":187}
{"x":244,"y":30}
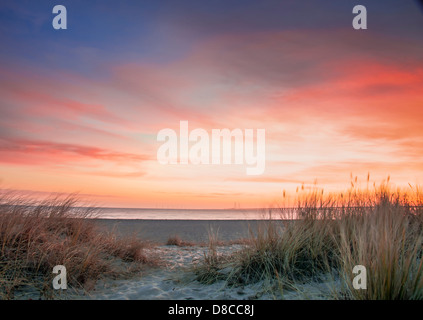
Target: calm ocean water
{"x":186,"y":214}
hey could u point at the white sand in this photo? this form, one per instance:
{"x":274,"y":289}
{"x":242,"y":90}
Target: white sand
{"x":175,"y":281}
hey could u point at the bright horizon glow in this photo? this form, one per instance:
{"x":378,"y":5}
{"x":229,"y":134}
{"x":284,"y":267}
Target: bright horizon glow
{"x":80,"y":109}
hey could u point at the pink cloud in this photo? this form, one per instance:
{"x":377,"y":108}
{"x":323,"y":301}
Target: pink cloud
{"x":328,"y":101}
{"x":33,"y":152}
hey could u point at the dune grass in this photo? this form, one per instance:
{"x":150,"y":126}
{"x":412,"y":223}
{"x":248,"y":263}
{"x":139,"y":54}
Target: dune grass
{"x":35,"y":237}
{"x":176,"y":240}
{"x":379,"y":228}
{"x":387,"y":239}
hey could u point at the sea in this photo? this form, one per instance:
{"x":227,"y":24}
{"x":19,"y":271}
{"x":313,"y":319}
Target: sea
{"x":187,"y":214}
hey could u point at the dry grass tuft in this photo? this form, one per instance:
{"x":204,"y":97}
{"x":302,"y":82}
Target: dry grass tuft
{"x":381,"y":229}
{"x":177,"y":241}
{"x":35,"y":237}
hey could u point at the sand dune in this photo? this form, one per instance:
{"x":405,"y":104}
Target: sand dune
{"x":175,"y":280}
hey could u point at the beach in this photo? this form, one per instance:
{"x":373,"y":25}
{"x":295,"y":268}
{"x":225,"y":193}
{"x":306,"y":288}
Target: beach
{"x":195,"y":231}
{"x":174,"y":277}
{"x":141,"y":258}
{"x":163,"y":259}
{"x":175,"y":280}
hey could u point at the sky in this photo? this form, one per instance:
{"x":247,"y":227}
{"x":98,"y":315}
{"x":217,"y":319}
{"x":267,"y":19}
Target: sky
{"x":81,"y":108}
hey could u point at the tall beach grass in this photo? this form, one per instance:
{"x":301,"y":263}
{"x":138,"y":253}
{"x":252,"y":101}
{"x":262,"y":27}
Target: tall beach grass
{"x":35,"y":237}
{"x":380,"y":228}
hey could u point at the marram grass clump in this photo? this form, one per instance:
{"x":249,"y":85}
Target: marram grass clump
{"x":380,"y":229}
{"x":35,"y":237}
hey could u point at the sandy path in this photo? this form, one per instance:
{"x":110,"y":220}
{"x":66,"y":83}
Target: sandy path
{"x":175,"y":281}
{"x":172,"y":281}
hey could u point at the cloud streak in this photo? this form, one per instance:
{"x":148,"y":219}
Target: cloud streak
{"x":33,"y":152}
